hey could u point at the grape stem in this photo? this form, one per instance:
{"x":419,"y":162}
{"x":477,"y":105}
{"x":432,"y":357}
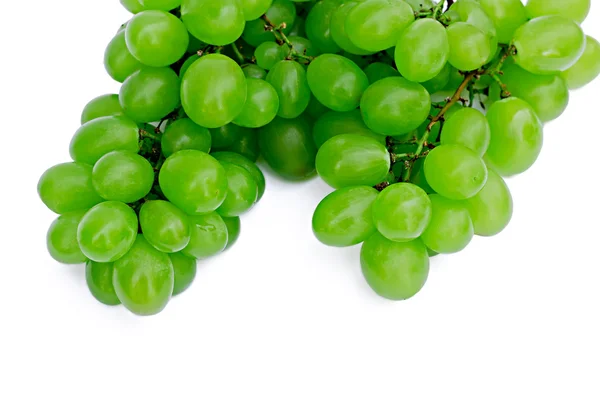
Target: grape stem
{"x":237,"y":53}
{"x":283,"y":39}
{"x":148,"y":134}
{"x":496,"y":71}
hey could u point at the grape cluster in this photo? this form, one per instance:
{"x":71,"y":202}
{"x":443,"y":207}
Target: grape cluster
{"x":413,"y":110}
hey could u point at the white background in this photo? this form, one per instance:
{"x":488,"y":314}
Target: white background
{"x":280,"y":314}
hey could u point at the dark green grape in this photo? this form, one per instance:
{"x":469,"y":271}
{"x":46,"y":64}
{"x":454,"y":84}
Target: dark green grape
{"x":318,"y":25}
{"x":225,"y":136}
{"x":267,"y":54}
{"x":214,"y":22}
{"x":299,"y":28}
{"x":288,"y":147}
{"x":184,"y":134}
{"x":280,"y":12}
{"x":143,"y":279}
{"x":102,"y":106}
{"x":262,"y":105}
{"x":233,"y":230}
{"x":290,"y":82}
{"x":118,"y":61}
{"x":304,"y":46}
{"x":61,"y":239}
{"x":315,"y":109}
{"x":440,"y":81}
{"x":123,"y":176}
{"x":379,"y":71}
{"x":68,"y":187}
{"x":253,"y":71}
{"x":99,"y":279}
{"x":450,"y":229}
{"x":344,"y":218}
{"x":242,"y":191}
{"x":246,"y":145}
{"x":209,"y":236}
{"x":248,"y":165}
{"x":165,"y":226}
{"x":338,"y":29}
{"x":333,"y":123}
{"x":184,"y":270}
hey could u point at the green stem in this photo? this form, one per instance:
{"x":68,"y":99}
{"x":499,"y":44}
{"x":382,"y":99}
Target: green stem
{"x":148,"y":134}
{"x":237,"y":53}
{"x":283,"y":39}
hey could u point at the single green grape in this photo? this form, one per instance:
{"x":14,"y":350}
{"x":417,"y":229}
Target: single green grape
{"x":450,"y":229}
{"x":395,"y":106}
{"x":290,"y":82}
{"x":123,"y":176}
{"x":401,"y":212}
{"x":455,"y":172}
{"x":516,"y":136}
{"x":262,"y":105}
{"x":378,"y":71}
{"x":394,"y":270}
{"x":337,"y":82}
{"x":417,"y":175}
{"x":338,"y":29}
{"x":352,"y":160}
{"x":315,"y":109}
{"x":156,"y":38}
{"x":245,"y":163}
{"x":252,"y":71}
{"x":299,"y":28}
{"x":102,"y":106}
{"x":361,"y":60}
{"x":507,"y":15}
{"x":577,"y":10}
{"x":99,"y":279}
{"x":470,"y":48}
{"x":186,"y":65}
{"x":344,"y":218}
{"x":233,"y":230}
{"x":242,"y":191}
{"x":471,"y":12}
{"x":164,"y":5}
{"x":333,"y":123}
{"x":143,"y":279}
{"x":422,"y":50}
{"x":225,"y":136}
{"x":318,"y":25}
{"x":587,"y":67}
{"x":165,"y":226}
{"x":547,"y":45}
{"x":267,"y":54}
{"x":133,"y":6}
{"x":184,"y":270}
{"x":150,"y":94}
{"x":118,"y":61}
{"x":467,"y":127}
{"x":491,"y":209}
{"x":194,"y":181}
{"x":288,"y":147}
{"x":184,"y":134}
{"x":375,"y":25}
{"x":246,"y":144}
{"x":61,"y":239}
{"x":209,"y":236}
{"x":213,"y":91}
{"x":68,"y":187}
{"x":214,"y":22}
{"x":107,"y":231}
{"x":440,"y":81}
{"x":253,"y":9}
{"x":280,"y":12}
{"x":304,"y":46}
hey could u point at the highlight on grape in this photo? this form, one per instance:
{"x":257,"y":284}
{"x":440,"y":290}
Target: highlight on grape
{"x":413,"y":110}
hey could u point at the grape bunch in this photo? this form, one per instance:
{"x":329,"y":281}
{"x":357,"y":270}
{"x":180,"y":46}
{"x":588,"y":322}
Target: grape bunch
{"x":412,"y":110}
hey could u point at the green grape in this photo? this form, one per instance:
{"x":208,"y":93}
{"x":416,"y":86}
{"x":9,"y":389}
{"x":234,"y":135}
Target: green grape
{"x":184,"y":270}
{"x":455,"y":79}
{"x":99,"y":279}
{"x":318,"y":25}
{"x":587,"y":67}
{"x":194,"y":181}
{"x":375,"y":25}
{"x":395,"y":106}
{"x":507,"y":16}
{"x":379,"y":71}
{"x":548,"y":95}
{"x":304,"y":46}
{"x":422,"y":50}
{"x":548,"y":45}
{"x":118,"y":61}
{"x":225,"y":136}
{"x":253,"y":9}
{"x":491,"y":209}
{"x":450,"y":229}
{"x":68,"y":187}
{"x":209,"y":236}
{"x":233,"y":230}
{"x":133,"y":6}
{"x":440,"y":81}
{"x":299,"y":28}
{"x":262,"y":105}
{"x":164,"y":5}
{"x":245,"y":163}
{"x":156,"y":38}
{"x":394,"y":270}
{"x":123,"y":176}
{"x":455,"y":172}
{"x":61,"y":239}
{"x":471,"y":12}
{"x":213,"y":91}
{"x":576,"y":10}
{"x":337,"y":82}
{"x":417,"y":175}
{"x":470,"y":48}
{"x":361,"y":60}
{"x":337,"y":123}
{"x":214,"y":22}
{"x":186,"y":65}
{"x":338,"y":29}
{"x":246,"y":145}
{"x":102,"y":106}
{"x":315,"y":109}
{"x":165,"y":226}
{"x":420,"y":5}
{"x":267,"y":54}
{"x":516,"y":136}
{"x":290,"y":82}
{"x":252,"y":71}
{"x":401,"y":212}
{"x":467,"y":127}
{"x":107,"y":231}
{"x":352,"y":160}
{"x":344,"y":218}
{"x":280,"y":12}
{"x":143,"y":279}
{"x":150,"y":94}
{"x":242,"y":191}
{"x":288,"y":147}
{"x":184,"y":134}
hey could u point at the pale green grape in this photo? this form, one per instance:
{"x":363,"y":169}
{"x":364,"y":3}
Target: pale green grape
{"x":333,"y":123}
{"x":450,"y":229}
{"x":289,"y":80}
{"x":338,"y":29}
{"x":214,"y":22}
{"x":576,"y":10}
{"x":467,"y":127}
{"x":123,"y":176}
{"x":507,"y":16}
{"x":209,"y":236}
{"x":470,"y":48}
{"x":587,"y":67}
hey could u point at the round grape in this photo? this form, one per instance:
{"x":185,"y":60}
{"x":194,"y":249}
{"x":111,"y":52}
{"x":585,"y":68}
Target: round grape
{"x":102,"y":106}
{"x":118,"y":61}
{"x":165,"y":226}
{"x":68,"y":187}
{"x":262,"y":105}
{"x":450,"y":229}
{"x":318,"y":25}
{"x":290,"y":82}
{"x":123,"y":176}
{"x":184,"y":134}
{"x":467,"y":127}
{"x":233,"y":230}
{"x":99,"y":279}
{"x":61,"y":239}
{"x":245,"y":163}
{"x":576,"y":10}
{"x":333,"y":123}
{"x":587,"y":67}
{"x":184,"y":270}
{"x":242,"y":191}
{"x":209,"y":236}
{"x":214,"y":22}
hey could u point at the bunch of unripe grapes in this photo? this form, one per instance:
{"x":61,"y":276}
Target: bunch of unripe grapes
{"x":413,"y":110}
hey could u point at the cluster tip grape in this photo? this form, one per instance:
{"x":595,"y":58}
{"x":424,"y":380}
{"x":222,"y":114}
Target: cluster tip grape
{"x":413,"y":111}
